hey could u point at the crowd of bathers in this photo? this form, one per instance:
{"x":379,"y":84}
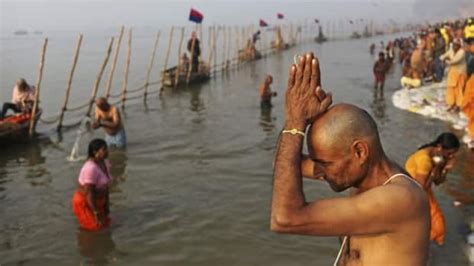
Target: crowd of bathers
{"x":430,"y":53}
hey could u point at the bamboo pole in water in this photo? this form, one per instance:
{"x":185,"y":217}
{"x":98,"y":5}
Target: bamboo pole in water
{"x":69,"y":82}
{"x":190,"y":65}
{"x":99,"y":76}
{"x":178,"y":67}
{"x":212,"y":47}
{"x":114,"y":63}
{"x":229,"y":48}
{"x":216,"y":35}
{"x":123,"y":97}
{"x":237,"y":44}
{"x":224,"y":43}
{"x":150,"y":66}
{"x":38,"y":87}
{"x":165,"y":64}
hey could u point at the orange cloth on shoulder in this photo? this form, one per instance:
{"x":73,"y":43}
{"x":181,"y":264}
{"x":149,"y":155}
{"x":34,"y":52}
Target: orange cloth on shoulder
{"x":84,"y":214}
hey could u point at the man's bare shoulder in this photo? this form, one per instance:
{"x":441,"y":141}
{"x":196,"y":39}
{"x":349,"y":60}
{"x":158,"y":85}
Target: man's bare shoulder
{"x":401,"y":196}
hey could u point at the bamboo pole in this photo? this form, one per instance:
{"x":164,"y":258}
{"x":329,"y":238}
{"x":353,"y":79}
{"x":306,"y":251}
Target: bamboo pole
{"x":150,"y":66}
{"x":114,"y":63}
{"x":224,"y":40}
{"x":123,"y":97}
{"x":212,"y":47}
{"x":237,"y":44}
{"x":216,"y":35}
{"x":38,"y":87}
{"x":178,"y":67}
{"x":69,"y":82}
{"x":99,"y":76}
{"x":190,"y":65}
{"x":165,"y":64}
{"x":229,"y":47}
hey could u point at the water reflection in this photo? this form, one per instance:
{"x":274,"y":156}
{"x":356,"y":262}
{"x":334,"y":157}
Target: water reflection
{"x":24,"y":154}
{"x":96,"y":247}
{"x":378,"y":105}
{"x":266,"y":120}
{"x":197,"y":104}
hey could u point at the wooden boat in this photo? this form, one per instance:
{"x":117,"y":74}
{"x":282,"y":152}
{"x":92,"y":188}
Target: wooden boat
{"x":169,"y":75}
{"x":277,"y":45}
{"x":245,"y":55}
{"x":355,"y":35}
{"x":17,"y":126}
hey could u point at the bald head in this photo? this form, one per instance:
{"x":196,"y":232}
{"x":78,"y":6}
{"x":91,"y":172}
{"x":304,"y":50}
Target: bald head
{"x":343,"y":124}
{"x":102,"y":104}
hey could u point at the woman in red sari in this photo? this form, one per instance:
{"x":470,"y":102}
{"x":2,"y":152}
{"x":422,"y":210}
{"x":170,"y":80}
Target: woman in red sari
{"x":91,"y":199}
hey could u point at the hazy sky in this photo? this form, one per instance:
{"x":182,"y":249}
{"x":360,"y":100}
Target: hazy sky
{"x":87,"y":14}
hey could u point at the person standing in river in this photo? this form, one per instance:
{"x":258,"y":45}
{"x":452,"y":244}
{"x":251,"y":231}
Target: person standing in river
{"x":90,"y":202}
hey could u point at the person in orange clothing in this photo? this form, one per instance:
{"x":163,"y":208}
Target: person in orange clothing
{"x":90,"y":202}
{"x":455,"y":59}
{"x":430,"y":164}
{"x":468,"y":99}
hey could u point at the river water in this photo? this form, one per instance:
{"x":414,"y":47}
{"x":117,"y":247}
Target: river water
{"x":194,"y":185}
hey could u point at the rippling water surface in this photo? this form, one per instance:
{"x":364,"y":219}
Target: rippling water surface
{"x":194,"y":185}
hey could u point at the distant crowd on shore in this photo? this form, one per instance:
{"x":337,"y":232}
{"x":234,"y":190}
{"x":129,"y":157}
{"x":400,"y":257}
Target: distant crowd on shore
{"x":426,"y":56}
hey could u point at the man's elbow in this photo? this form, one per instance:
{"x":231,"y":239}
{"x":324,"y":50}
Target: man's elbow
{"x":281,"y":223}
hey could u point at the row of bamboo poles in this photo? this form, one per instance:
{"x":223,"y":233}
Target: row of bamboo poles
{"x":233,"y":39}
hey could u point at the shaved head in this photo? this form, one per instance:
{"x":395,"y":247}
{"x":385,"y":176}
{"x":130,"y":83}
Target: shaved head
{"x":344,"y":143}
{"x":343,"y":124}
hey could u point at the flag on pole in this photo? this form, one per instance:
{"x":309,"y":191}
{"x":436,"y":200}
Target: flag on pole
{"x":280,"y":16}
{"x":195,"y":16}
{"x":263,"y":23}
{"x":316,"y":20}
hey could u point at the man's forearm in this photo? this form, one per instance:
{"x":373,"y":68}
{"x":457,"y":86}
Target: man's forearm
{"x":287,"y":183}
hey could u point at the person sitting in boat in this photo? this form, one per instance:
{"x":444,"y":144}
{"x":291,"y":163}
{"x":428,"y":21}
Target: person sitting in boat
{"x":266,"y":93}
{"x":22,"y":100}
{"x":108,"y":117}
{"x":194,"y":48}
{"x":250,"y":51}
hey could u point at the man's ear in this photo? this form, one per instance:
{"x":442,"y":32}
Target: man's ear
{"x":360,"y":150}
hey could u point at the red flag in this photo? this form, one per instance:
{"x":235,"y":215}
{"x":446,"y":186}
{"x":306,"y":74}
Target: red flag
{"x":195,"y":16}
{"x":280,"y":16}
{"x":263,"y":23}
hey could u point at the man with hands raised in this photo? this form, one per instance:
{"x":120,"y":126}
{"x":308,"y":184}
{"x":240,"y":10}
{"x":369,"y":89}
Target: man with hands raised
{"x":386,"y":220}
